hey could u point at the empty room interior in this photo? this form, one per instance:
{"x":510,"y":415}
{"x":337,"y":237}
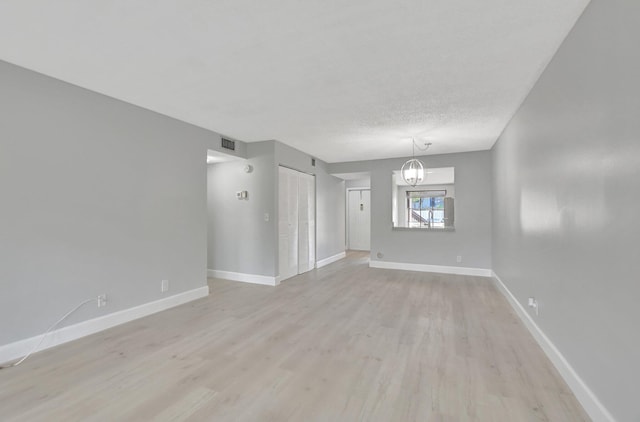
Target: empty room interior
{"x":416,"y":210}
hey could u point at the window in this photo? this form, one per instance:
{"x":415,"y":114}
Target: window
{"x":426,"y":208}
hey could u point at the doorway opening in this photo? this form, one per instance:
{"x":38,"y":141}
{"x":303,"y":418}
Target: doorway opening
{"x":224,"y":238}
{"x":359,"y":219}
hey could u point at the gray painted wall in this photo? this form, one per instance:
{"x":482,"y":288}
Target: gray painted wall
{"x":239,"y":238}
{"x":567,"y":194}
{"x":330,"y":216}
{"x":472,"y":236}
{"x":358,"y":183}
{"x":98,"y":196}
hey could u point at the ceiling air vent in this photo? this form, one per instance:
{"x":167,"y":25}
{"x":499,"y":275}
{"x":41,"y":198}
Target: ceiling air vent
{"x":228,"y":144}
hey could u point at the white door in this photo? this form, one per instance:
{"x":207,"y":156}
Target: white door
{"x":287,"y":223}
{"x":296,"y":223}
{"x":359,"y":210}
{"x":306,"y":223}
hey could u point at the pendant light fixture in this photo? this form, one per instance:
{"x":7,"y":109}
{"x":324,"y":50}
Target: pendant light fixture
{"x":413,"y":170}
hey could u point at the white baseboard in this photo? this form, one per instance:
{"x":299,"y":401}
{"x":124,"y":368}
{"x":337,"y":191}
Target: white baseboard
{"x":245,"y":278}
{"x":12,"y":351}
{"x":480,"y":272}
{"x":583,"y":393}
{"x":331,"y":259}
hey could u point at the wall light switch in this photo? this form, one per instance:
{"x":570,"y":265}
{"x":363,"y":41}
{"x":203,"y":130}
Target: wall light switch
{"x":266,"y":216}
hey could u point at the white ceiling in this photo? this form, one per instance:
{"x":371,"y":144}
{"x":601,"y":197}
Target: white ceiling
{"x":340,"y":80}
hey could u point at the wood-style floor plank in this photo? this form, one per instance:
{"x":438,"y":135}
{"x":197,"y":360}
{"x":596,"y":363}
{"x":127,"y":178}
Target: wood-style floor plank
{"x":343,"y":343}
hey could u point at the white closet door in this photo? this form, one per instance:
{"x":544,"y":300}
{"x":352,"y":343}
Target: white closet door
{"x":312,"y":223}
{"x":359,"y":204}
{"x":296,"y":222}
{"x":307,"y":223}
{"x":288,"y":223}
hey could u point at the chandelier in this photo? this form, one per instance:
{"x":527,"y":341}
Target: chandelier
{"x":413,"y":170}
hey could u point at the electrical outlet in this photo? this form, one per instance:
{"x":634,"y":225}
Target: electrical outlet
{"x":459,"y":258}
{"x":164,"y":286}
{"x":266,"y":216}
{"x":102,"y":300}
{"x":533,"y":303}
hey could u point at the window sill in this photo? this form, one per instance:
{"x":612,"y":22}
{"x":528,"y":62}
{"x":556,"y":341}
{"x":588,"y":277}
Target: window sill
{"x":427,"y":229}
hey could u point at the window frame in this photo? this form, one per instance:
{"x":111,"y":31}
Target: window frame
{"x":421,"y":195}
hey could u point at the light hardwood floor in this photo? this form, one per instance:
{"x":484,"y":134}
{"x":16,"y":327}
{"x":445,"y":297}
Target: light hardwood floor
{"x":343,"y":343}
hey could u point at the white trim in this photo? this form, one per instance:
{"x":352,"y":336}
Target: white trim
{"x":480,"y":272}
{"x":331,"y":259}
{"x":585,"y":396}
{"x":245,"y":278}
{"x":20,"y":348}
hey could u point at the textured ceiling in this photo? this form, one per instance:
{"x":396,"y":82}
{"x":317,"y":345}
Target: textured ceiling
{"x":339,"y":80}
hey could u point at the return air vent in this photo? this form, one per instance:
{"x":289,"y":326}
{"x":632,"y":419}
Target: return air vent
{"x":228,"y":144}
